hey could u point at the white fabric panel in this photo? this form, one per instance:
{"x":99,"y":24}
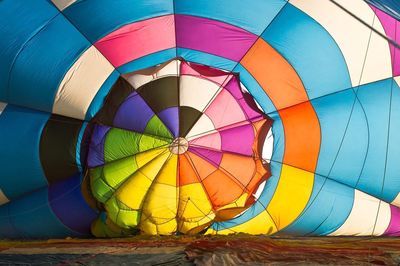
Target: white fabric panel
{"x":63,"y":4}
{"x":202,"y":127}
{"x":352,"y":37}
{"x":3,"y":198}
{"x":364,"y":215}
{"x":2,"y":107}
{"x":196,"y":92}
{"x":81,"y":83}
{"x":396,"y":201}
{"x":397,"y":79}
{"x":139,"y":78}
{"x":268,"y":147}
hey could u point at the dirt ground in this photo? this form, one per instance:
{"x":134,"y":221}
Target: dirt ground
{"x":203,"y":250}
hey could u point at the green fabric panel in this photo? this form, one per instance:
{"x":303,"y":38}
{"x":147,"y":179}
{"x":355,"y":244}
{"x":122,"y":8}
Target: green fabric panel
{"x":122,"y":143}
{"x":157,"y":127}
{"x":118,"y":171}
{"x":100,"y":189}
{"x":122,"y":215}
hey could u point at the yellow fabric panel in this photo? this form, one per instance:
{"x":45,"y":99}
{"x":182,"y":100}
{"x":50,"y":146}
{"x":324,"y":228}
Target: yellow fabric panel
{"x":261,"y":224}
{"x":240,"y":202}
{"x":145,"y":157}
{"x":193,"y":203}
{"x":291,"y":195}
{"x":166,"y":228}
{"x":160,"y":205}
{"x":133,"y":192}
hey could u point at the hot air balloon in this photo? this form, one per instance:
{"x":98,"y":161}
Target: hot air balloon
{"x":199,"y":117}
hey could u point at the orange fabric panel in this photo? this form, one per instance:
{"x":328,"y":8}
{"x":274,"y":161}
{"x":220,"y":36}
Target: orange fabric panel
{"x":221,"y":189}
{"x":285,"y":88}
{"x":302,"y":136}
{"x":187,"y":174}
{"x":242,"y":168}
{"x":202,"y":167}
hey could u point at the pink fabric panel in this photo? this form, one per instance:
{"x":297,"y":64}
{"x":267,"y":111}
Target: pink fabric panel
{"x":245,"y":101}
{"x":394,"y":226}
{"x":225,"y":110}
{"x":212,"y":140}
{"x":206,"y":72}
{"x":213,"y":37}
{"x":391,"y":25}
{"x":138,"y":39}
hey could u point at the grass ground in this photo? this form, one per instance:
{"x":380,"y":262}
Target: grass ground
{"x":203,"y":250}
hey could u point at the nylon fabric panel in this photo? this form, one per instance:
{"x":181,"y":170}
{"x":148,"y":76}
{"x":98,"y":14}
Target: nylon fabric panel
{"x":328,"y":208}
{"x":20,"y":21}
{"x":310,"y":49}
{"x":119,"y":91}
{"x":138,"y":39}
{"x":69,"y":205}
{"x":81,"y":83}
{"x":20,"y":135}
{"x":161,"y":203}
{"x":102,"y":20}
{"x":57,"y":46}
{"x":33,"y":210}
{"x":253,"y":18}
{"x":354,"y":41}
{"x":58,"y":147}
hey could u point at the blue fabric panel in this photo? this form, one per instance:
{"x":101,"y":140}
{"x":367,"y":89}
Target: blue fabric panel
{"x":309,"y":48}
{"x":70,"y":207}
{"x":391,"y":7}
{"x":206,"y":59}
{"x":328,"y":208}
{"x":20,"y":131}
{"x":271,"y":184}
{"x":344,"y":141}
{"x":7,"y":229}
{"x":375,"y":99}
{"x":255,"y":89}
{"x":32,"y":217}
{"x":79,"y":146}
{"x":42,"y":64}
{"x":392,"y":180}
{"x":148,"y":61}
{"x":98,"y":100}
{"x":252,"y":17}
{"x":107,"y":16}
{"x":20,"y":21}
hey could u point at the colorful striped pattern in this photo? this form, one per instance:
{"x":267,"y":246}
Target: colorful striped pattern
{"x":72,"y":84}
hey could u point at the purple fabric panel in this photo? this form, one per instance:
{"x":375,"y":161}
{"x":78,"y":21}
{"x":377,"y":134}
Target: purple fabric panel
{"x":68,"y":204}
{"x":96,"y":146}
{"x":394,"y":225}
{"x":391,"y":25}
{"x":245,"y":100}
{"x":133,"y":114}
{"x":238,"y":140}
{"x":213,"y":157}
{"x":212,"y":37}
{"x":170,"y":118}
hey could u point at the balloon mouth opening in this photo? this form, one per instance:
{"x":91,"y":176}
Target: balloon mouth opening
{"x":203,"y":117}
{"x":179,"y":146}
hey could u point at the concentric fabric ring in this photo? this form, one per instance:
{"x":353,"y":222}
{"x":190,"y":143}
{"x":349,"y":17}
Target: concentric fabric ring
{"x":328,"y":89}
{"x":160,"y":168}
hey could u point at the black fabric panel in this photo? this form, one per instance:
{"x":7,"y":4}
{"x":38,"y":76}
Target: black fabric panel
{"x":161,"y":93}
{"x":188,"y":116}
{"x":118,"y":93}
{"x":58,"y":147}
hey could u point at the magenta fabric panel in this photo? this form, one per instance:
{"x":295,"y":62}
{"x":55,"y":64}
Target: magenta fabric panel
{"x":138,"y":39}
{"x":394,"y":226}
{"x":392,"y":29}
{"x":213,"y":37}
